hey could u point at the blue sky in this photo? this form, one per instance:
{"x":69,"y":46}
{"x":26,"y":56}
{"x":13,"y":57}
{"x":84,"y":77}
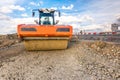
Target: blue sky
{"x":77,"y":5}
{"x":89,"y":15}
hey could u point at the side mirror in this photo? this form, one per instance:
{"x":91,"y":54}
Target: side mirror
{"x":57,"y":21}
{"x":59,"y":13}
{"x":36,"y":21}
{"x":33,"y":14}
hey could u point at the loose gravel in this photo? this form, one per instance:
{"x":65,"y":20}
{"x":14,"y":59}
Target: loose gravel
{"x":79,"y":62}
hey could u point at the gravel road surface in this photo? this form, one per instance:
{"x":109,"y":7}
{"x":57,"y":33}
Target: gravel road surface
{"x":81,"y":61}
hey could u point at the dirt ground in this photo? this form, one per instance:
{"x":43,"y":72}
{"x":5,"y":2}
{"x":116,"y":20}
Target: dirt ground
{"x":81,"y":61}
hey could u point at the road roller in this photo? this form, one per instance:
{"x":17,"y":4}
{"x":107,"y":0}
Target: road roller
{"x":46,"y":34}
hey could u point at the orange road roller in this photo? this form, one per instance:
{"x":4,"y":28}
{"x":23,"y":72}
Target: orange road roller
{"x":45,"y":34}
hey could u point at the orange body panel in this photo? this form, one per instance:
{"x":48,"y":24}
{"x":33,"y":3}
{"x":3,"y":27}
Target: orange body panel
{"x":44,"y":31}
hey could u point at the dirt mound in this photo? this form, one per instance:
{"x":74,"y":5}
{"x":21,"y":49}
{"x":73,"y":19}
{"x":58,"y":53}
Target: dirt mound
{"x":7,"y":43}
{"x":104,"y":48}
{"x":99,"y":44}
{"x":8,"y":40}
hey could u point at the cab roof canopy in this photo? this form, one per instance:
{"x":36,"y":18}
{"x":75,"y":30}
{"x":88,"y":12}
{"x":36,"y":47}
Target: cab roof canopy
{"x":47,"y":10}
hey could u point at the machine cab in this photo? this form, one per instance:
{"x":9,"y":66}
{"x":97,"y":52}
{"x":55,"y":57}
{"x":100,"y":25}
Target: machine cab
{"x":46,"y":16}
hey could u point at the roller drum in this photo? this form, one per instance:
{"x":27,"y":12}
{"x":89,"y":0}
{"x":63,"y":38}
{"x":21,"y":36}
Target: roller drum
{"x":48,"y":44}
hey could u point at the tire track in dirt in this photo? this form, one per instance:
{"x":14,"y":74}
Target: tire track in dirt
{"x":11,"y":51}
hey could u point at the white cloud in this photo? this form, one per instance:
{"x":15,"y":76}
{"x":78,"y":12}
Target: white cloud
{"x":7,"y":6}
{"x":10,"y":8}
{"x":10,"y":26}
{"x":7,"y":23}
{"x":93,"y":27}
{"x":76,"y":19}
{"x":23,"y":21}
{"x":76,"y":22}
{"x":33,"y":3}
{"x":4,"y":17}
{"x":29,"y":8}
{"x":24,"y":15}
{"x":5,"y":9}
{"x":7,"y":2}
{"x":17,"y":7}
{"x":117,"y":18}
{"x":40,"y":2}
{"x":6,"y":26}
{"x":36,"y":4}
{"x":68,"y":7}
{"x":87,"y":18}
{"x":117,"y":15}
{"x":66,"y":20}
{"x":55,"y":8}
{"x":103,"y":10}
